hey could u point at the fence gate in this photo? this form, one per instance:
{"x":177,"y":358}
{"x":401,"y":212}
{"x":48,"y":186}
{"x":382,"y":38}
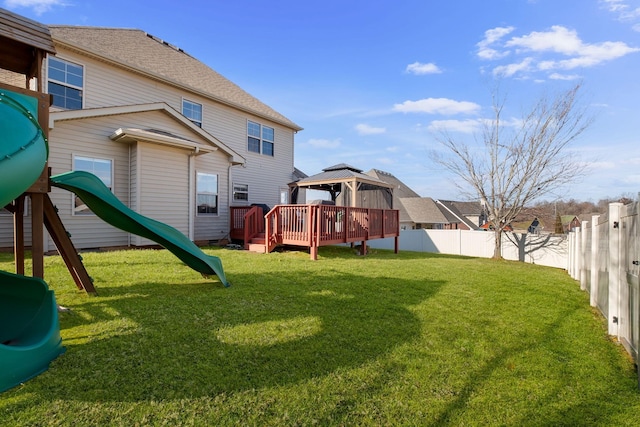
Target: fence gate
{"x":630,"y":313}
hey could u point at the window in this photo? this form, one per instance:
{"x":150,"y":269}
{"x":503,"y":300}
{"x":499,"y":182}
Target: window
{"x":284,"y":196}
{"x":66,"y":81}
{"x":260,"y":139}
{"x":240,"y":192}
{"x":101,"y":168}
{"x":192,"y":111}
{"x":207,"y":193}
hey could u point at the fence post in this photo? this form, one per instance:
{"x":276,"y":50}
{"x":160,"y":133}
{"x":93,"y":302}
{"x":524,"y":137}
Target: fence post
{"x":570,"y":253}
{"x":595,"y":248}
{"x":583,"y":254}
{"x":575,"y":269}
{"x":614,"y":267}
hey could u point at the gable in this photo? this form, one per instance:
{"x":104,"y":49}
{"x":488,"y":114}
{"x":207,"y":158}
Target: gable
{"x":157,"y":123}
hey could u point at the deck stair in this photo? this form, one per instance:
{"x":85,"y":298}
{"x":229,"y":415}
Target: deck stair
{"x":258,"y":243}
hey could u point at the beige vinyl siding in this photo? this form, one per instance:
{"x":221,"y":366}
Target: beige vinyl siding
{"x":6,"y":226}
{"x":163,"y":186}
{"x":266,"y":175}
{"x":88,"y":138}
{"x":150,"y":179}
{"x":108,"y":85}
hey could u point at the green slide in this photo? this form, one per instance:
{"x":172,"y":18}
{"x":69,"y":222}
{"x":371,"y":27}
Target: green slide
{"x":29,"y":328}
{"x":29,"y":331}
{"x":110,"y":209}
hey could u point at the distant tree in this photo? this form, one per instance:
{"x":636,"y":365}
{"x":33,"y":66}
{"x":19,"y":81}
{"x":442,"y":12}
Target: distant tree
{"x":512,"y":166}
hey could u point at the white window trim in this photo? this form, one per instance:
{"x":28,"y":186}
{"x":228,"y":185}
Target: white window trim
{"x":90,"y":214}
{"x":233,"y":196}
{"x":195,"y":103}
{"x":212,"y":214}
{"x":261,"y":139}
{"x":84,"y":78}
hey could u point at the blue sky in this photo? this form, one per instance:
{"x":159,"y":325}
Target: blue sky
{"x":369,"y":81}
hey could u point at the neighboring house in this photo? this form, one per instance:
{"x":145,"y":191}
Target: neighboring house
{"x":569,"y":222}
{"x":424,"y":212}
{"x":474,"y":215}
{"x":470,"y":215}
{"x":172,"y":138}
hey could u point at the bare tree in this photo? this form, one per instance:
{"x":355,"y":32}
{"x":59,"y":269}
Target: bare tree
{"x":514,"y":163}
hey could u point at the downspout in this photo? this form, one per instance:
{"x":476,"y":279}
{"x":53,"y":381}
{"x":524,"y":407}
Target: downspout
{"x":191,"y":209}
{"x":130,"y":190}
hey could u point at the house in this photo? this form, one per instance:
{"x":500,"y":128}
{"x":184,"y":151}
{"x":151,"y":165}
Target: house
{"x":569,"y":222}
{"x":425,"y":212}
{"x":471,"y":214}
{"x":172,"y":138}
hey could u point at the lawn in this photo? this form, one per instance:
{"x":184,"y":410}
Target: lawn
{"x":385,"y":339}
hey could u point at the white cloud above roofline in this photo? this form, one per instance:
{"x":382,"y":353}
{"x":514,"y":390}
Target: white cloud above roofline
{"x":419,"y":68}
{"x":38,"y":6}
{"x":554,"y":49}
{"x":364,"y":129}
{"x":441,"y":106}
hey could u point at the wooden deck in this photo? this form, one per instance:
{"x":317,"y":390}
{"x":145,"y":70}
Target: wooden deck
{"x":312,"y":226}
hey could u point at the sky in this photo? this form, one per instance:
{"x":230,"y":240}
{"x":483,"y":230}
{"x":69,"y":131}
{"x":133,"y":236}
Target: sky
{"x":373,"y":82}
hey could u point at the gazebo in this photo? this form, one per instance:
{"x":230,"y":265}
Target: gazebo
{"x":348,"y":186}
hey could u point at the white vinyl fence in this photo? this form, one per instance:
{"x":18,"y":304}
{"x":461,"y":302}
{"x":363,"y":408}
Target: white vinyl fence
{"x":536,"y":249}
{"x":604,"y":257}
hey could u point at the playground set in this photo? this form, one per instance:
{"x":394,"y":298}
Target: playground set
{"x":29,"y":325}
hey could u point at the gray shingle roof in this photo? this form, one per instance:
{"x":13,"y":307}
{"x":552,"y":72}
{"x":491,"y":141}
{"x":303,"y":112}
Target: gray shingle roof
{"x":423,"y":210}
{"x":466,"y":208}
{"x":400,"y":189}
{"x":153,"y":57}
{"x":342,"y":172}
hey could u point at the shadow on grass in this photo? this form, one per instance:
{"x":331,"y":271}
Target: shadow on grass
{"x":347,"y":252}
{"x":167,"y":341}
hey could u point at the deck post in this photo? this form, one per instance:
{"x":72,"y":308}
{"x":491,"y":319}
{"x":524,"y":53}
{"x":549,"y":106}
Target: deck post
{"x":18,"y":232}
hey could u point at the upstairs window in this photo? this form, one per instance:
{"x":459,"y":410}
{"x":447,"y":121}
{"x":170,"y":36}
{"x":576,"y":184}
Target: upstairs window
{"x":102,"y":168}
{"x":65,"y":83}
{"x":260,"y":139}
{"x":207,"y":193}
{"x":192,"y":111}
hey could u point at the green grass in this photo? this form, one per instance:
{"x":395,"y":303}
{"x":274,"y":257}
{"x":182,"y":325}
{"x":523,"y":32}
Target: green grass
{"x":386,"y":339}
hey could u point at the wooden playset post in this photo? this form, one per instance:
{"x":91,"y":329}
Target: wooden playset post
{"x":23,"y":47}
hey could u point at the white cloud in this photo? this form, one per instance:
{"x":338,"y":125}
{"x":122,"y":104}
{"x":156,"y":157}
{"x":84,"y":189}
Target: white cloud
{"x":558,"y":76}
{"x":420,"y":69}
{"x":463,"y":126}
{"x":490,"y":37}
{"x":559,"y":39}
{"x":325,"y":143}
{"x":511,"y":69}
{"x":622,"y":8}
{"x":38,"y":6}
{"x":437,"y":106}
{"x":558,"y":48}
{"x":364,"y":129}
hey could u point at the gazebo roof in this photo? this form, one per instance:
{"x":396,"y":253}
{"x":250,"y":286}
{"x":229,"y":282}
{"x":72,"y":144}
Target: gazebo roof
{"x":331,"y":177}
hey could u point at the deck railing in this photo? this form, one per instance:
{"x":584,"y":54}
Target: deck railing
{"x":318,"y":225}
